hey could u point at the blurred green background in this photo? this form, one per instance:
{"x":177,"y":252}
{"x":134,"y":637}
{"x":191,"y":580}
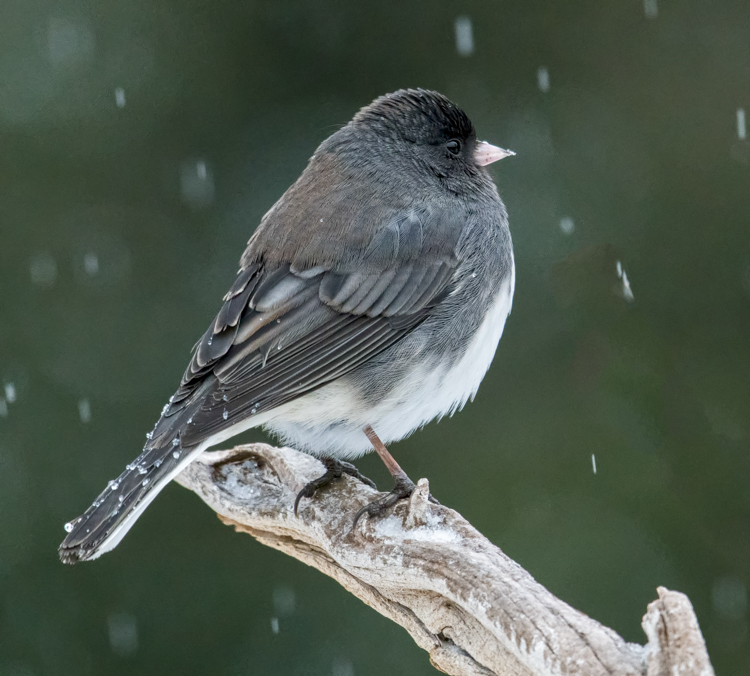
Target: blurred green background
{"x":141,"y":142}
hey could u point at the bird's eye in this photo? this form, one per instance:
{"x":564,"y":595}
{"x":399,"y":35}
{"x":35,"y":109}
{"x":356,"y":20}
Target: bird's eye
{"x":454,"y":147}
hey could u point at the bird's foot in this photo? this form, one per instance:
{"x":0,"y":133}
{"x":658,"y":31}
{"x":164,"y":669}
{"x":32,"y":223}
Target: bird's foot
{"x":351,"y":470}
{"x":401,"y":491}
{"x":335,"y":469}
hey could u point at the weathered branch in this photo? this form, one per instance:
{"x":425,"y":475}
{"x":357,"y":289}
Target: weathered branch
{"x":425,"y":567}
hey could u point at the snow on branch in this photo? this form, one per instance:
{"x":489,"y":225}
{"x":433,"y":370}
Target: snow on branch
{"x":474,"y":610}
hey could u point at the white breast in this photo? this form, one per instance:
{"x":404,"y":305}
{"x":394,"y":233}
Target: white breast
{"x":462,"y":381}
{"x":442,"y":392}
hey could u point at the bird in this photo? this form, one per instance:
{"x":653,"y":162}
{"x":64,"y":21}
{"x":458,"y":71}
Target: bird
{"x":369,"y":301}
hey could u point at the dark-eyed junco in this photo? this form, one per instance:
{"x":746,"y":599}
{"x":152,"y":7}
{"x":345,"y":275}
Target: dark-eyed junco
{"x":369,"y":301}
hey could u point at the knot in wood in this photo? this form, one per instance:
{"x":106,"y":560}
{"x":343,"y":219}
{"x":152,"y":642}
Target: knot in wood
{"x":419,"y":505}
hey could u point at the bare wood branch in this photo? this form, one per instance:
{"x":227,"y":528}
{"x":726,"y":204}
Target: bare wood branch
{"x":474,"y":610}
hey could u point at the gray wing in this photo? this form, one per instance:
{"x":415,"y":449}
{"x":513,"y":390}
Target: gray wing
{"x":284,"y":329}
{"x":283,"y":332}
{"x":293,"y":336}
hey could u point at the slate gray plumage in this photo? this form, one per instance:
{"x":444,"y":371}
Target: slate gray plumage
{"x":374,"y":292}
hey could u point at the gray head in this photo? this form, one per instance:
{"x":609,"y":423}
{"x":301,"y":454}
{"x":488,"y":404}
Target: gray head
{"x":412,"y":151}
{"x":423,"y":129}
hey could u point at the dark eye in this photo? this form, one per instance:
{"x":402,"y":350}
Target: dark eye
{"x":454,"y":147}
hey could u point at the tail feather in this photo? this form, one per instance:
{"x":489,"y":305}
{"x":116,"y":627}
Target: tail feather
{"x":105,"y":523}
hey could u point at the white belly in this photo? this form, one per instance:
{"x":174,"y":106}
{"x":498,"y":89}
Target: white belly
{"x":427,"y":394}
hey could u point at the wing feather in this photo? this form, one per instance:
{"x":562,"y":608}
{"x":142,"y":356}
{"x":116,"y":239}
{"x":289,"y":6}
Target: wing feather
{"x":286,"y":329}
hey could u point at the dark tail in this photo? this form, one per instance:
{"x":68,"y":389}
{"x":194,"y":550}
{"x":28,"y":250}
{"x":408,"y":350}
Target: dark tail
{"x":105,"y":523}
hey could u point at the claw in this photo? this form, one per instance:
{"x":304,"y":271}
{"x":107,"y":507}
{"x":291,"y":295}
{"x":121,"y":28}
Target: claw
{"x":296,"y":502}
{"x":351,"y":470}
{"x":403,"y":489}
{"x":335,"y":469}
{"x":359,"y":514}
{"x":304,"y":493}
{"x":404,"y":485}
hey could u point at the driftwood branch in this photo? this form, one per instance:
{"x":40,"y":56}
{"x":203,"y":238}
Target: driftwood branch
{"x":473,"y":609}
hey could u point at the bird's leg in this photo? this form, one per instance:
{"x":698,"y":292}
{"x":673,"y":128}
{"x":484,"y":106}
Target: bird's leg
{"x":404,"y":485}
{"x":335,"y":469}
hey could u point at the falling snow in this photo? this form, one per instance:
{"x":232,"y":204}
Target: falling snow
{"x":120,"y":97}
{"x":10,"y":393}
{"x":567,"y":225}
{"x":123,"y":634}
{"x":741,"y":127}
{"x":464,"y":36}
{"x":542,"y":79}
{"x":84,"y":410}
{"x":197,"y":184}
{"x":627,"y":292}
{"x":342,"y":667}
{"x":729,"y":597}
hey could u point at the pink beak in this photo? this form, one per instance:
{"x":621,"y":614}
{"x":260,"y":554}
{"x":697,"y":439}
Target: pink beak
{"x":485,"y":153}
